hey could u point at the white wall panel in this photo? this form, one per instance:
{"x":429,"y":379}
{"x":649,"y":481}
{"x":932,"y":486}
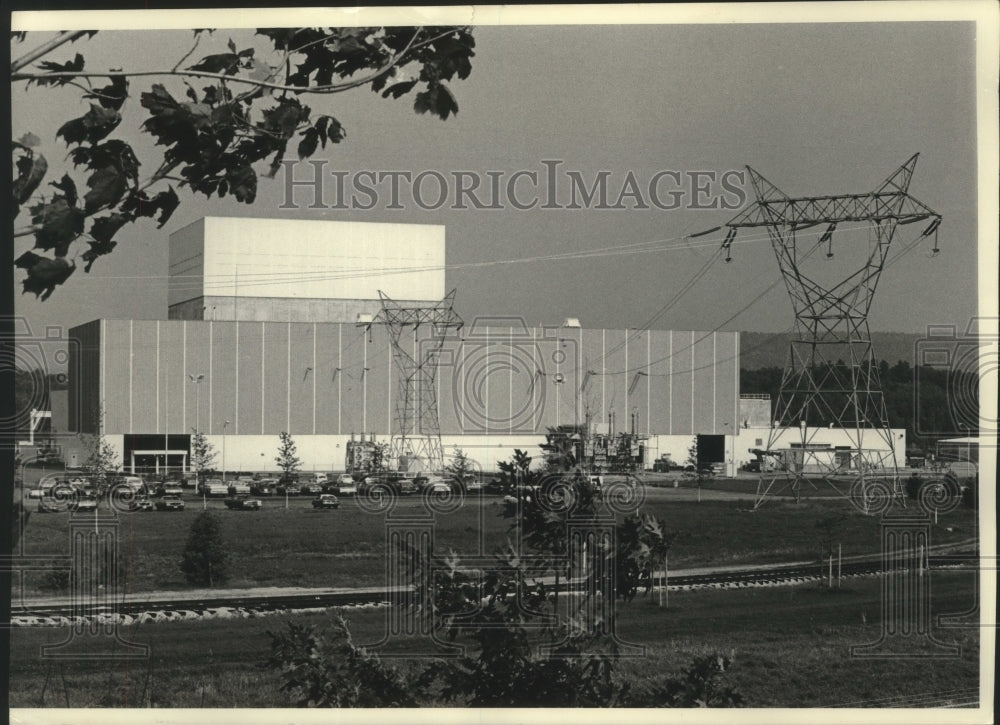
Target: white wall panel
{"x":300,"y":259}
{"x":186,"y":255}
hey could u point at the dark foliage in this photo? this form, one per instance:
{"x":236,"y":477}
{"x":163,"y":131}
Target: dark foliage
{"x":205,"y":559}
{"x":246,"y":113}
{"x":920,"y":400}
{"x":328,"y":670}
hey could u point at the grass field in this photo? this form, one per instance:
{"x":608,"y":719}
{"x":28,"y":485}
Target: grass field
{"x":791,"y":646}
{"x":346,"y":547}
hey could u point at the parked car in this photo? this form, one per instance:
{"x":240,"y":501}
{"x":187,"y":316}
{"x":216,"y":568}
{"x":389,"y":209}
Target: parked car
{"x":437,"y":486}
{"x":311,"y":488}
{"x":406,"y":487}
{"x":135,"y":483}
{"x":288,"y":489}
{"x":470,"y":482}
{"x":326,"y":501}
{"x":170,"y":503}
{"x":239,"y":488}
{"x":140,"y":503}
{"x":214,"y":487}
{"x":55,"y":494}
{"x":664,"y":464}
{"x":170,"y":488}
{"x":48,"y":505}
{"x":244,"y":504}
{"x":83,"y":504}
{"x":48,"y":458}
{"x":153,"y":480}
{"x":312,"y":478}
{"x":496,"y":487}
{"x":346,"y":485}
{"x":263,"y":487}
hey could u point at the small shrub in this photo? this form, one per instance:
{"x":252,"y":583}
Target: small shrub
{"x":205,"y":559}
{"x":970,"y":496}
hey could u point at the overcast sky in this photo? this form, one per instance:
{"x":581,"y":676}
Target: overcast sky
{"x":817,"y":109}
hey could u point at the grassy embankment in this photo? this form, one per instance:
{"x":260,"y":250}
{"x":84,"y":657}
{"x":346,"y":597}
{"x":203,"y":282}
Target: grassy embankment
{"x":346,"y":547}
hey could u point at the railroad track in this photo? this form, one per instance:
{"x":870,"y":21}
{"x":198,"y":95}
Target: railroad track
{"x":256,"y":605}
{"x":173,"y":609}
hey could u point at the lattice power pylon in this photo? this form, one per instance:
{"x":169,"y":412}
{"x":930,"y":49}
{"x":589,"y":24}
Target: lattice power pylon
{"x":417,"y":431}
{"x":832,"y":377}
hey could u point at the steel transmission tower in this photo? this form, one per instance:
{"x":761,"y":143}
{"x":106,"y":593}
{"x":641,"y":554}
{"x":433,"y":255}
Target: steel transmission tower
{"x":832,"y":377}
{"x":417,"y":434}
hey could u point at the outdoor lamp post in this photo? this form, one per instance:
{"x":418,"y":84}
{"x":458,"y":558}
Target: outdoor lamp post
{"x":225,"y":424}
{"x":196,"y":379}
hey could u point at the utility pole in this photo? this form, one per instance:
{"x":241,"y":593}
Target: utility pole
{"x":417,"y":431}
{"x":832,"y":375}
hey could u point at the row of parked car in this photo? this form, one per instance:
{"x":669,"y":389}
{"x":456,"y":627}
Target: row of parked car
{"x":241,"y":493}
{"x":175,"y":503}
{"x":406,"y":485}
{"x":311,"y":485}
{"x":78,"y":492}
{"x":172,"y":502}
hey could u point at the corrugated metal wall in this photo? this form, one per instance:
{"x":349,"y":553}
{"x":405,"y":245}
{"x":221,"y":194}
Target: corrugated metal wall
{"x":329,"y":379}
{"x":84,"y":373}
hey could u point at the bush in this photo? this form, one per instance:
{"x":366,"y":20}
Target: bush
{"x":327,"y":670}
{"x":324,"y":668}
{"x":205,"y":559}
{"x":702,"y":684}
{"x":970,"y":495}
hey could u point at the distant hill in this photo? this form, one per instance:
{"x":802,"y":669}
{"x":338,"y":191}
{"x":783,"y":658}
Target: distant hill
{"x":770,"y":349}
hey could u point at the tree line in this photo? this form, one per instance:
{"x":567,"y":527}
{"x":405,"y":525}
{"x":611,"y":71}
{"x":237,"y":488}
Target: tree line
{"x":931,"y":403}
